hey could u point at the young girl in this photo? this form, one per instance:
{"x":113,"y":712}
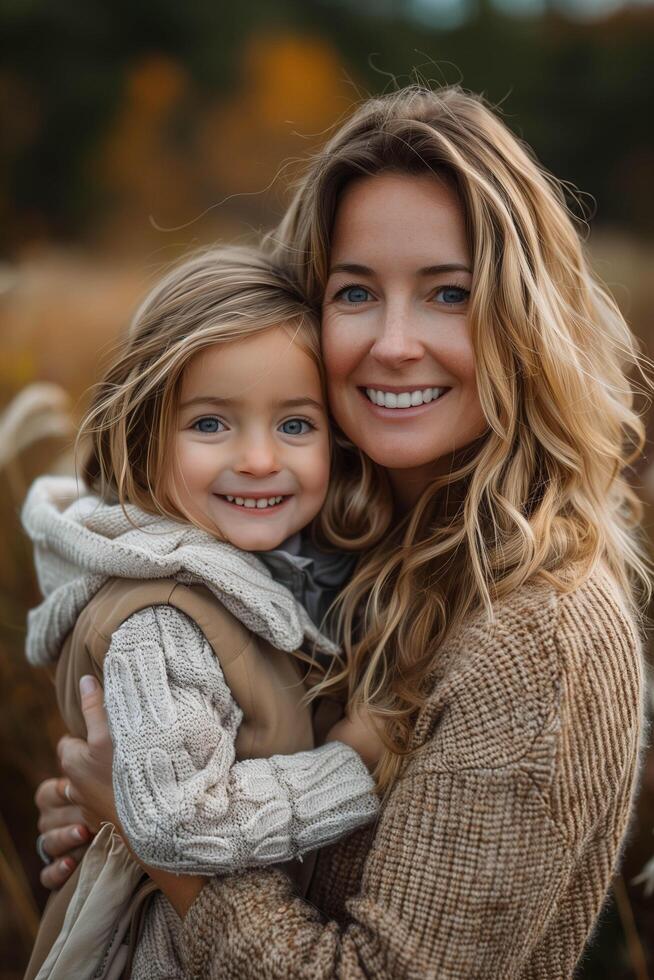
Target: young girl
{"x":209,"y":441}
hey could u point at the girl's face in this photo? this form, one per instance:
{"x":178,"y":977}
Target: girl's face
{"x":396,"y":338}
{"x":252,"y":443}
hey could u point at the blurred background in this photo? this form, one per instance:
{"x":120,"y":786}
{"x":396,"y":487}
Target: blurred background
{"x":132,"y":131}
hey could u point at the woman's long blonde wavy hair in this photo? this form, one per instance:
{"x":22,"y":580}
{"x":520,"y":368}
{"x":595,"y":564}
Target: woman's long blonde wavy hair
{"x":544,"y":493}
{"x":213,"y":297}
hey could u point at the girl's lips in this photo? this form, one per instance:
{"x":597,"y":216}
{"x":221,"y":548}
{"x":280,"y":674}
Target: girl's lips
{"x":397,"y":414}
{"x":255,"y":511}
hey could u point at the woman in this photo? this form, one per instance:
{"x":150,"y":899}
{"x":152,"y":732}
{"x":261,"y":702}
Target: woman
{"x":480,"y":372}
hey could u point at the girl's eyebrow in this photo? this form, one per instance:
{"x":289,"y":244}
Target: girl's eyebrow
{"x":429,"y":270}
{"x":208,"y":399}
{"x":226,"y":402}
{"x":299,"y":402}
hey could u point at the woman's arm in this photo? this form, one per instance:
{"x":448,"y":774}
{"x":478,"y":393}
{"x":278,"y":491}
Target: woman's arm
{"x":461,"y":879}
{"x":494,"y":851}
{"x":184,"y":803}
{"x":463,"y":874}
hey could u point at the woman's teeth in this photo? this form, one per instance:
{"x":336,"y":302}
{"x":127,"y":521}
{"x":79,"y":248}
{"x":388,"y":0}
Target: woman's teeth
{"x":260,"y":502}
{"x":404,"y":399}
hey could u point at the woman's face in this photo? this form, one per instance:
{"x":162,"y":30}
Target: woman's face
{"x":396,"y":337}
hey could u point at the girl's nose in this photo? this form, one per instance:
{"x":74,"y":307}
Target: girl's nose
{"x":397,"y":343}
{"x":258,"y":458}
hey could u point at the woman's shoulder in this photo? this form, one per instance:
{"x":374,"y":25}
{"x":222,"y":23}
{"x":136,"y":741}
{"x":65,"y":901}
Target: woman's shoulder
{"x":540,"y":614}
{"x":504,"y":683}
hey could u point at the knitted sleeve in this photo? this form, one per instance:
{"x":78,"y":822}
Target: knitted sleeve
{"x":184,"y":802}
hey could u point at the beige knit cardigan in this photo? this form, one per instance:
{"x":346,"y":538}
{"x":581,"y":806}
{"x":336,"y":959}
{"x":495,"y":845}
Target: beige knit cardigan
{"x":495,"y":850}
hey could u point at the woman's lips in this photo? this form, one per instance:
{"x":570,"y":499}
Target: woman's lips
{"x":397,"y":414}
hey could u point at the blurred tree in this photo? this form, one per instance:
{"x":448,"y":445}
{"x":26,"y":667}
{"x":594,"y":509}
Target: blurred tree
{"x":579,"y":92}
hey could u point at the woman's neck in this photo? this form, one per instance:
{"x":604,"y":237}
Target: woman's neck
{"x":407,"y":485}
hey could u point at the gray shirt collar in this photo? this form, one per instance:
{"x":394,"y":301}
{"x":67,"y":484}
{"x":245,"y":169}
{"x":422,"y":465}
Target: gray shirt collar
{"x":314,"y":577}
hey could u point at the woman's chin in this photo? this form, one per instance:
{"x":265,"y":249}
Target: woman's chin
{"x":401,"y":454}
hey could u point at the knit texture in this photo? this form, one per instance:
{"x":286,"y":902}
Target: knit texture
{"x":80,"y":542}
{"x":184,"y":803}
{"x":494,"y":852}
{"x":156,"y":956}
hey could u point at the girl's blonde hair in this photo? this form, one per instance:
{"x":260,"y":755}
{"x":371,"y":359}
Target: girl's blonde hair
{"x":544,"y":492}
{"x":214,"y":297}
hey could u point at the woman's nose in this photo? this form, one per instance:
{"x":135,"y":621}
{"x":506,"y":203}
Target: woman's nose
{"x":397,"y":342}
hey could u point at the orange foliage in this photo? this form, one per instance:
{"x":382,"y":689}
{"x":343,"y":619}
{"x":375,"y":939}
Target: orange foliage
{"x":294,"y":78}
{"x":290,"y":84}
{"x":140,"y":162}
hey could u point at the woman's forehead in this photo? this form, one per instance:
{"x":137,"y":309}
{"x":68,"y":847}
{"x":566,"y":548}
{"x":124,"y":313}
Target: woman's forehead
{"x":407,"y":218}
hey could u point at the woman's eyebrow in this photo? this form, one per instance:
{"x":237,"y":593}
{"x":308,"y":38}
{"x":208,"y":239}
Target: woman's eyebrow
{"x":434,"y":270}
{"x":429,"y":270}
{"x":352,"y":268}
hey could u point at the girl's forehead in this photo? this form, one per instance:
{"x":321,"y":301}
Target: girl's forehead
{"x":270,"y":365}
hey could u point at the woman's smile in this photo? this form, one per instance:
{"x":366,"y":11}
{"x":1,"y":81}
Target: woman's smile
{"x":404,"y":402}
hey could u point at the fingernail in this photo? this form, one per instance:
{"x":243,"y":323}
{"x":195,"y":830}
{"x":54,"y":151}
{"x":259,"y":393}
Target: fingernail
{"x":77,"y":834}
{"x":66,"y":865}
{"x":87,"y":684}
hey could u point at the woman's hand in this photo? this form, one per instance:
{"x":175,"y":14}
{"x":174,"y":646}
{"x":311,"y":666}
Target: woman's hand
{"x":71,"y":808}
{"x":360,"y":731}
{"x":87,"y":764}
{"x":64,"y":834}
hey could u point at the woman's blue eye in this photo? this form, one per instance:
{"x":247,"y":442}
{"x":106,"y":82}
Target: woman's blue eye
{"x":208,"y":424}
{"x":453,"y":295}
{"x":295,"y":427}
{"x":354,"y":294}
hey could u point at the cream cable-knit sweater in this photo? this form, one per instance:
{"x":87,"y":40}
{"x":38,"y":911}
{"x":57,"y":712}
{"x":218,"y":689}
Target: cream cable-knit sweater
{"x":183,"y":801}
{"x":495,"y":850}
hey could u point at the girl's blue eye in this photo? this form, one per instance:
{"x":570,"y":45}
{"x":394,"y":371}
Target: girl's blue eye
{"x":209,"y":424}
{"x":453,"y":295}
{"x":296,"y":427}
{"x":354,"y":294}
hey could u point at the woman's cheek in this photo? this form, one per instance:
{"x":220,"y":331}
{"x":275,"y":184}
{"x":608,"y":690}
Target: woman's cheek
{"x":344,"y":349}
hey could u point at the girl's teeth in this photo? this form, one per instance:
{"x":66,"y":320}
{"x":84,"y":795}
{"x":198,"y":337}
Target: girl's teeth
{"x":404,"y":399}
{"x":259,"y":503}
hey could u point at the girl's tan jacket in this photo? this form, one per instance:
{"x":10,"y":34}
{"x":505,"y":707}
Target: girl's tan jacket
{"x":266,"y":683}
